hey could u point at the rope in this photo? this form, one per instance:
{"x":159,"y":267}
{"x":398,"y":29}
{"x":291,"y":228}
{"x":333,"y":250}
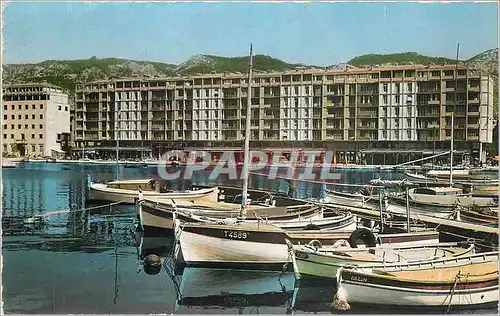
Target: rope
{"x":80,"y":210}
{"x":452,"y":291}
{"x":320,"y":182}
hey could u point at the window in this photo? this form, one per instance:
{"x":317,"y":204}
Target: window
{"x":41,"y":126}
{"x":5,"y":147}
{"x":5,"y":126}
{"x":19,"y":106}
{"x":13,"y":107}
{"x":41,"y":106}
{"x":13,"y":117}
{"x":32,"y":136}
{"x":59,"y":108}
{"x":26,"y":106}
{"x":5,"y":117}
{"x":5,"y":107}
{"x":384,"y":87}
{"x":41,"y":116}
{"x":19,"y":126}
{"x":25,"y":126}
{"x":66,"y":108}
{"x":40,"y":136}
{"x":33,"y":116}
{"x":397,"y":99}
{"x":34,"y":107}
{"x":41,"y":148}
{"x":33,"y":126}
{"x":12,"y":136}
{"x":22,"y":136}
{"x":26,"y":117}
{"x":4,"y":136}
{"x":33,"y":148}
{"x":12,"y":126}
{"x":409,"y":86}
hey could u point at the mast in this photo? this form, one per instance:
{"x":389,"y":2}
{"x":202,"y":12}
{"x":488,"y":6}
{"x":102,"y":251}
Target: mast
{"x":117,"y":123}
{"x":246,"y":161}
{"x":452,"y":116}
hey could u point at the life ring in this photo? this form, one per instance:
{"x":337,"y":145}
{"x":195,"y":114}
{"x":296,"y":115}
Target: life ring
{"x":365,"y":235}
{"x":315,"y":243}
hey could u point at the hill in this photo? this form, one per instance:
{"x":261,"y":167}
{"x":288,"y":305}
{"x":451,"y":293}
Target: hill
{"x":210,"y":63}
{"x":65,"y":73}
{"x":397,"y":59}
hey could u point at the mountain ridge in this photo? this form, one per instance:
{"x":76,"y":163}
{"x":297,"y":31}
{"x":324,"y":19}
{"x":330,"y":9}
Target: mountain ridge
{"x":66,"y":73}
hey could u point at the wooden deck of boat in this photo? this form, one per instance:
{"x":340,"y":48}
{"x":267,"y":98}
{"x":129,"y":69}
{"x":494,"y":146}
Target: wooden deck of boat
{"x":467,"y":229}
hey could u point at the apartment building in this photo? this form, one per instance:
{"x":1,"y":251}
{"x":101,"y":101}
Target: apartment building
{"x":349,"y":109}
{"x":35,"y":115}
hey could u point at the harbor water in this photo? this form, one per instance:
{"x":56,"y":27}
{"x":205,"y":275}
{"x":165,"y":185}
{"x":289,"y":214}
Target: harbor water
{"x":86,"y":258}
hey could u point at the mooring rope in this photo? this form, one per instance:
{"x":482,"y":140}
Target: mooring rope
{"x":47,"y":214}
{"x":319,"y":182}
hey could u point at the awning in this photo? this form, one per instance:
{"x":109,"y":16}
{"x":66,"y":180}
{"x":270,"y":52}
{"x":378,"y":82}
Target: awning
{"x":93,"y":149}
{"x":407,"y":151}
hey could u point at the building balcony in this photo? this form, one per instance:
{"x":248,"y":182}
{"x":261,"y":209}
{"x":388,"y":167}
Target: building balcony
{"x":373,"y":126}
{"x":367,"y":114}
{"x":473,"y":126}
{"x":158,"y":118}
{"x":230,"y":127}
{"x":473,"y":88}
{"x":366,"y":138}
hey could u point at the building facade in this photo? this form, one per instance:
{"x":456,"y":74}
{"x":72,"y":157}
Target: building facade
{"x":35,"y":115}
{"x":349,"y":109}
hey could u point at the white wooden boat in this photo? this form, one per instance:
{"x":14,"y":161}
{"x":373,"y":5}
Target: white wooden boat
{"x":9,"y":164}
{"x":243,"y":245}
{"x":447,"y":196}
{"x":461,"y":281}
{"x":233,"y":288}
{"x":126,"y":191}
{"x":348,"y":199}
{"x":457,"y":173}
{"x":471,"y":180}
{"x":159,"y":216}
{"x":312,"y":263}
{"x":344,"y":222}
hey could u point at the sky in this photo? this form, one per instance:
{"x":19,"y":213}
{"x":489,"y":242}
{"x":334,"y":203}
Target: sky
{"x":311,"y":33}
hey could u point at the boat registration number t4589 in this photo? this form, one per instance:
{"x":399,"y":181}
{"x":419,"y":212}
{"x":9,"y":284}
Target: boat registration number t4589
{"x":235,"y":234}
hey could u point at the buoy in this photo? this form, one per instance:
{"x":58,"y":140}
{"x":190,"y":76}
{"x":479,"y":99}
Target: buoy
{"x":339,"y":300}
{"x":152,"y":264}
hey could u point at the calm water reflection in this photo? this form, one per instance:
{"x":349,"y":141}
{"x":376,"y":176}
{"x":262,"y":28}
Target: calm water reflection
{"x":89,"y":261}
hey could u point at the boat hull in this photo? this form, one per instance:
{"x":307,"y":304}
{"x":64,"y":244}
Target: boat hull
{"x":310,"y":265}
{"x":352,"y":200}
{"x":260,"y":250}
{"x":100,"y":192}
{"x":451,"y":200}
{"x":362,"y":292}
